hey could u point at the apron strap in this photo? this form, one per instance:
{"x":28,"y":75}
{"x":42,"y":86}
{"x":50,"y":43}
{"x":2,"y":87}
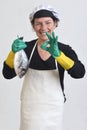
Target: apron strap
{"x":56,"y":64}
{"x":32,"y":52}
{"x":60,"y":81}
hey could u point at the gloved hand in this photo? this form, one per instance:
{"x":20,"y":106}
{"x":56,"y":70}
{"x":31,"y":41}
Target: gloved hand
{"x":18,"y":45}
{"x":52,"y":45}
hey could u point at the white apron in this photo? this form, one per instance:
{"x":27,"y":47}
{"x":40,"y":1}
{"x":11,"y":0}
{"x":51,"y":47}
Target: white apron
{"x":42,"y":101}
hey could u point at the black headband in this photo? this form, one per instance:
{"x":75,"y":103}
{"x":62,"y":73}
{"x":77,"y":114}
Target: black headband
{"x":44,"y":13}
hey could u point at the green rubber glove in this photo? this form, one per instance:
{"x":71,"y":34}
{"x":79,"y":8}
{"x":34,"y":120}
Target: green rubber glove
{"x":18,"y":45}
{"x":52,"y":45}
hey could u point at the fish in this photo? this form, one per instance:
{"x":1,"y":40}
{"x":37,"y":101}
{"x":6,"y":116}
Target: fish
{"x":21,"y":63}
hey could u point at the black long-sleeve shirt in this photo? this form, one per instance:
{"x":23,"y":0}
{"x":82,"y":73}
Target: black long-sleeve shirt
{"x":77,"y":71}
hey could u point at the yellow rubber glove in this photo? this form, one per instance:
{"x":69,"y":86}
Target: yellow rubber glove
{"x":65,"y":61}
{"x":10,"y":59}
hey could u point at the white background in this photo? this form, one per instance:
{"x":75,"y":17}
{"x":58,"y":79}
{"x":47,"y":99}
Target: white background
{"x":72,"y":30}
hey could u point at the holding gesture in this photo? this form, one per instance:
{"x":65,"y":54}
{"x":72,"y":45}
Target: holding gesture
{"x":18,"y":45}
